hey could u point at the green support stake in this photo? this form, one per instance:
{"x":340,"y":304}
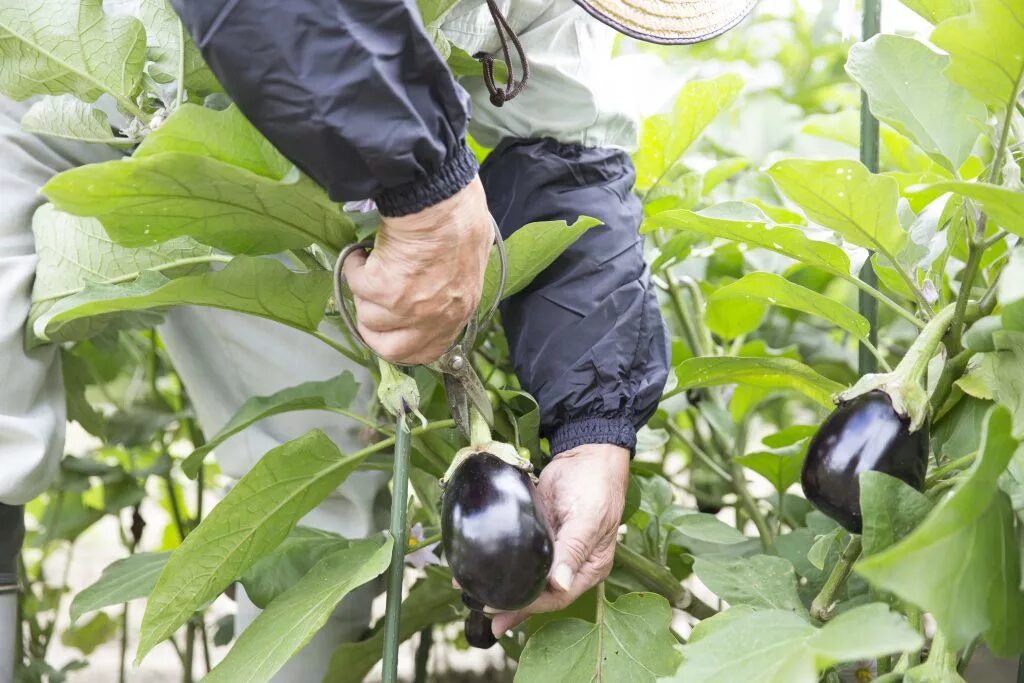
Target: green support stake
{"x":868,"y":305}
{"x":399,"y":503}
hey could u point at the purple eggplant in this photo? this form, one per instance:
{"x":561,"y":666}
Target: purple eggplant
{"x":478,"y":631}
{"x":495,"y":533}
{"x":864,"y":433}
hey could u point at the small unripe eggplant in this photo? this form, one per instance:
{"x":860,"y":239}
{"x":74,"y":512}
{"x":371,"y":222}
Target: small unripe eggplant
{"x":864,"y":433}
{"x":478,"y":631}
{"x":495,"y":533}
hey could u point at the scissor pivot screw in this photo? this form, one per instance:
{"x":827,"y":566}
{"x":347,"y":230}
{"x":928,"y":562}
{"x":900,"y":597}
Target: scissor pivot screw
{"x":457,"y":362}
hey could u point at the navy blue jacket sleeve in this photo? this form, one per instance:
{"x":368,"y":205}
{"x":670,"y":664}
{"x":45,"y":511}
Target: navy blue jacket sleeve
{"x":587,"y":338}
{"x":352,"y":91}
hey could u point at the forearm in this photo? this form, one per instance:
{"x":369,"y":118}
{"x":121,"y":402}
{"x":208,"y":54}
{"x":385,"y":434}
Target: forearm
{"x":587,"y":338}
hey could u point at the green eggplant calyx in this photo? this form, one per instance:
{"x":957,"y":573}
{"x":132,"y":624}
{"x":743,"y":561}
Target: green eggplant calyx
{"x":398,"y":393}
{"x":905,"y":384}
{"x":503,"y":451}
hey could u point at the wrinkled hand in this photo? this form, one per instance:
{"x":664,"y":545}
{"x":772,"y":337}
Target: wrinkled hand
{"x":422,"y":281}
{"x":584,"y":491}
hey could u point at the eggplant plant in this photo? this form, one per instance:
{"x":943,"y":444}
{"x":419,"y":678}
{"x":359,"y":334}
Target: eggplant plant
{"x":836,"y":458}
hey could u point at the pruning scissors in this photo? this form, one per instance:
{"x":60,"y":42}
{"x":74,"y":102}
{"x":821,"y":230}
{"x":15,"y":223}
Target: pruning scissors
{"x":462,"y":386}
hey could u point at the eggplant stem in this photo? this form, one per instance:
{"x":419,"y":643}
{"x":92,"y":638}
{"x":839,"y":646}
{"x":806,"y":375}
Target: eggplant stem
{"x":399,"y":536}
{"x":822,"y":604}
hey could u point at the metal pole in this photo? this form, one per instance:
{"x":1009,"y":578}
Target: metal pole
{"x":868,"y":305}
{"x":399,"y":502}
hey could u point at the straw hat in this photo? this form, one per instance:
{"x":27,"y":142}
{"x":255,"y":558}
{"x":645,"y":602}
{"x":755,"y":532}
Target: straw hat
{"x":671,"y":22}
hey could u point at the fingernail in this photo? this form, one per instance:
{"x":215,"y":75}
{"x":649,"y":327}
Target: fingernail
{"x":563,"y":577}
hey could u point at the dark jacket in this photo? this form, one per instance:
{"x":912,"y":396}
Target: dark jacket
{"x":354,"y":93}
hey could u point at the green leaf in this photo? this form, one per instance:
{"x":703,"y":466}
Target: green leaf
{"x":74,"y":252}
{"x":1007,"y":375}
{"x":70,"y":118}
{"x":154,"y":198}
{"x":430,"y":601}
{"x":530,"y":250}
{"x":432,"y":11}
{"x":127,"y":579}
{"x":966,"y":542}
{"x":935,"y":11}
{"x":776,"y":290}
{"x":225,"y":135}
{"x":890,"y":509}
{"x":291,"y":620}
{"x":761,"y":581}
{"x":336,"y":394}
{"x":88,"y":636}
{"x":632,"y":642}
{"x":164,"y":36}
{"x":776,"y":646}
{"x":290,"y":561}
{"x":664,"y":138}
{"x":261,"y":287}
{"x":768,"y":373}
{"x":706,"y":528}
{"x":780,"y":467}
{"x":1005,"y":207}
{"x":907,"y":89}
{"x":845,"y":197}
{"x":252,"y":519}
{"x":897,"y":150}
{"x":56,"y":47}
{"x":823,"y":547}
{"x":745,"y":223}
{"x":987,"y":49}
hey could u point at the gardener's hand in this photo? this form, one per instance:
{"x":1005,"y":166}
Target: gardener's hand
{"x":422,"y":281}
{"x":584,"y":491}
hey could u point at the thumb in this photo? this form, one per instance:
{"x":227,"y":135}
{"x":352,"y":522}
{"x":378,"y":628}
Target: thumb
{"x":573,"y":547}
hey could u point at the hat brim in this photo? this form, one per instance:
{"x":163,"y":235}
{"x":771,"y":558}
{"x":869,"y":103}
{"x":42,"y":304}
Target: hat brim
{"x":698,"y":27}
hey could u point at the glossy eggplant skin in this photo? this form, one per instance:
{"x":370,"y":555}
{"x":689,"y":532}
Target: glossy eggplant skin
{"x":495,"y":533}
{"x":862,"y":434}
{"x":478,"y":631}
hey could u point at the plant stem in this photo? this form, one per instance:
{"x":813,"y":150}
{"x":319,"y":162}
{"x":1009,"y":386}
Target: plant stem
{"x":660,"y":580}
{"x":423,"y":654}
{"x":190,"y":650}
{"x":892,"y":305}
{"x":699,"y":452}
{"x":479,"y":430}
{"x":419,"y":545}
{"x":739,"y":484}
{"x":952,"y":466}
{"x":869,"y":145}
{"x":348,"y":353}
{"x":965,"y":659}
{"x":974,"y":253}
{"x":953,"y":371}
{"x":822,"y":604}
{"x":399,"y":535}
{"x":915,"y":362}
{"x":123,"y":648}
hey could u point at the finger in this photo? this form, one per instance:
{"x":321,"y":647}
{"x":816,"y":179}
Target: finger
{"x":403,"y":346}
{"x":377,"y":318}
{"x":574,"y":544}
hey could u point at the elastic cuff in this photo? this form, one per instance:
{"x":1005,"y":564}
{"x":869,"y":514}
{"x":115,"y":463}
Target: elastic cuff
{"x":8,"y":583}
{"x":593,"y":430}
{"x":457,"y":172}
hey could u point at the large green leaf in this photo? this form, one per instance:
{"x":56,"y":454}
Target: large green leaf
{"x":847,"y":198}
{"x":1006,"y":365}
{"x":336,"y":393}
{"x":768,"y":288}
{"x":746,"y":223}
{"x":69,"y":118}
{"x":987,"y":49}
{"x":257,"y":286}
{"x":290,"y":561}
{"x":530,"y":250}
{"x":430,"y":601}
{"x":907,"y":89}
{"x":938,"y":10}
{"x":252,"y":519}
{"x":631,"y":642}
{"x":224,"y":135}
{"x":961,"y":564}
{"x":776,"y":646}
{"x":154,"y":198}
{"x":781,"y":467}
{"x":54,"y":47}
{"x":897,"y":151}
{"x":768,"y":373}
{"x":891,"y":510}
{"x":166,"y":38}
{"x":762,"y":581}
{"x":74,"y":252}
{"x":291,"y":620}
{"x":127,"y":579}
{"x":1004,"y":206}
{"x":664,"y":138}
